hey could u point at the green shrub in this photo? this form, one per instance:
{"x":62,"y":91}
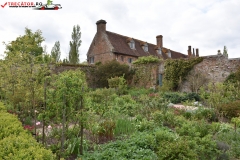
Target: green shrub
{"x":23,"y":146}
{"x":16,"y":143}
{"x":138,"y":146}
{"x":205,"y":113}
{"x":232,"y":139}
{"x":145,"y":125}
{"x":111,"y":69}
{"x":119,"y":84}
{"x":194,"y":129}
{"x":178,"y":149}
{"x":9,"y":125}
{"x":231,"y":109}
{"x":176,"y":97}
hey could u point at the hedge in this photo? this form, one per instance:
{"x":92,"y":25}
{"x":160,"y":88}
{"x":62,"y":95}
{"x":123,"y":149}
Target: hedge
{"x":17,"y":143}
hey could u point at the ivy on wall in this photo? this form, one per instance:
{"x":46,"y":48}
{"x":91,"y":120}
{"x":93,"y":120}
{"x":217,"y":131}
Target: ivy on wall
{"x":177,"y":70}
{"x":144,"y":68}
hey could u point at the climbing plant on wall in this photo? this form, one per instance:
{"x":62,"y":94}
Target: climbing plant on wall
{"x":144,"y":69}
{"x":177,"y":70}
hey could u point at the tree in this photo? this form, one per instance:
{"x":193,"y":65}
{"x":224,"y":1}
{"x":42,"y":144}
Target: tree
{"x":56,"y":53}
{"x":29,"y":44}
{"x":225,"y":52}
{"x":24,"y":69}
{"x":74,"y":45}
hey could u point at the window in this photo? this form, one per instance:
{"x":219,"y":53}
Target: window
{"x":169,"y":54}
{"x":132,"y":44}
{"x":160,"y":77}
{"x":122,"y":58}
{"x":91,"y":60}
{"x":129,"y":60}
{"x":145,"y":47}
{"x":160,"y":51}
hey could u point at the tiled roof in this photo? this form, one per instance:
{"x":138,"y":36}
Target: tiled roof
{"x":120,"y":44}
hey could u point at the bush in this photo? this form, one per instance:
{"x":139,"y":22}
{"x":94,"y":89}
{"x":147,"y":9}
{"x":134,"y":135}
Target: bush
{"x":176,"y":97}
{"x":231,"y":109}
{"x":23,"y":146}
{"x":179,"y":149}
{"x":111,"y":69}
{"x":16,"y":143}
{"x":139,"y":146}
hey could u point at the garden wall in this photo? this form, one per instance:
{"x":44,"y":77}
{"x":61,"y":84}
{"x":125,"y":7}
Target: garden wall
{"x":89,"y":71}
{"x":215,"y":68}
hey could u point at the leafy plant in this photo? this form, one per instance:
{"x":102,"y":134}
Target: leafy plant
{"x":177,"y":70}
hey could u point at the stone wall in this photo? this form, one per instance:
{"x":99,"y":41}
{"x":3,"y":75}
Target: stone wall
{"x":215,"y":68}
{"x":89,"y":71}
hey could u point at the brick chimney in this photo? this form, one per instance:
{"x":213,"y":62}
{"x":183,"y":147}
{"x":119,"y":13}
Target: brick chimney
{"x":197,"y":52}
{"x":189,"y":51}
{"x":159,"y":41}
{"x":193,"y":52}
{"x":101,"y":26}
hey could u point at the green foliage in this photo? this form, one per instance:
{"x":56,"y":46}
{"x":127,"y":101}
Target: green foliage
{"x":216,"y":94}
{"x":225,"y":51}
{"x":16,"y":143}
{"x":232,"y":141}
{"x":146,"y":60}
{"x":177,"y":70}
{"x":124,"y":126}
{"x":30,"y":43}
{"x":144,"y":68}
{"x":179,"y":149}
{"x":56,"y":52}
{"x":176,"y":97}
{"x":74,"y":45}
{"x":230,"y":109}
{"x":119,"y":83}
{"x":111,"y":69}
{"x":234,"y":77}
{"x":137,"y":147}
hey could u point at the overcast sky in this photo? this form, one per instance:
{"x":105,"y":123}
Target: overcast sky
{"x":205,"y":24}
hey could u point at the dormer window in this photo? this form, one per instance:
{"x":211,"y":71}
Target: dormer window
{"x":169,"y":54}
{"x":145,"y":47}
{"x":132,"y":44}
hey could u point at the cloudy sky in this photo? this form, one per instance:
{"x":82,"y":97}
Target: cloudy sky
{"x":205,"y":24}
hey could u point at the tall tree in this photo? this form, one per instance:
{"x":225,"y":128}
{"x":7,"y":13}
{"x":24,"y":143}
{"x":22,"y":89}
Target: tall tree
{"x":225,"y":52}
{"x":56,"y":53}
{"x":74,"y":45}
{"x":28,"y":44}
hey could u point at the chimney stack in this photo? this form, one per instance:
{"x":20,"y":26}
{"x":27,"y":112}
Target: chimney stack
{"x":159,"y":41}
{"x":197,"y":52}
{"x":101,"y":26}
{"x":189,"y":51}
{"x":193,"y":52}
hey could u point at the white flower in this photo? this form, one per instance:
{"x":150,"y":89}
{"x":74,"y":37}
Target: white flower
{"x":38,"y":123}
{"x":49,"y":127}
